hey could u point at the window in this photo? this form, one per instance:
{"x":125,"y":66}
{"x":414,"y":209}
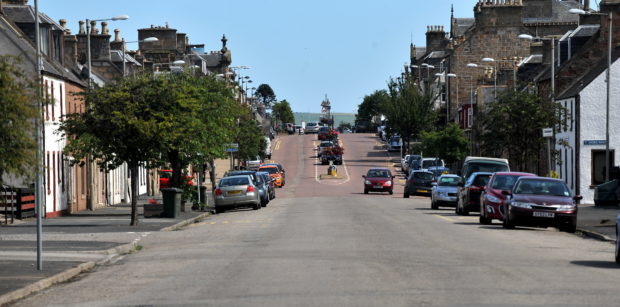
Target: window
{"x":598,"y":165}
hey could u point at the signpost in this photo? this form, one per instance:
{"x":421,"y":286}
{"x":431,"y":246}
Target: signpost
{"x":232,"y":148}
{"x":595,"y":142}
{"x":548,"y":134}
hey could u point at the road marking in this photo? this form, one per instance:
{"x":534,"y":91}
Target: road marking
{"x":277,"y":147}
{"x":444,"y":218}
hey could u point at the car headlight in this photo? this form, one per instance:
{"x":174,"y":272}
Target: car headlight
{"x":368,"y":182}
{"x":521,"y":205}
{"x":388,"y":183}
{"x":565,"y":207}
{"x":493,"y":199}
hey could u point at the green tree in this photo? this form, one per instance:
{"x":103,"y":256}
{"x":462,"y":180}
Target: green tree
{"x":265,"y":95}
{"x":408,"y":111}
{"x":512,"y":126}
{"x":449,"y":144}
{"x":282,"y":112}
{"x":371,"y":105}
{"x":150,"y":120}
{"x":250,"y":138}
{"x":17,"y":114}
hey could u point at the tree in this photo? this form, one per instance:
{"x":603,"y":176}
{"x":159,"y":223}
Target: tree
{"x":371,"y":105}
{"x":282,"y":112}
{"x":265,"y":95}
{"x":408,"y":111}
{"x":147,"y":120}
{"x":512,"y":126}
{"x":449,"y":144}
{"x":17,"y":113}
{"x":250,"y":138}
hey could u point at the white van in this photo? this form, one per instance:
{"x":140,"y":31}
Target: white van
{"x":268,"y":148}
{"x":312,"y":127}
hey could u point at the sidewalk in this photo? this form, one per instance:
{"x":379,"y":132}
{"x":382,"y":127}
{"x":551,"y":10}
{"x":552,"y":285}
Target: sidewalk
{"x":74,"y":244}
{"x":598,"y":222}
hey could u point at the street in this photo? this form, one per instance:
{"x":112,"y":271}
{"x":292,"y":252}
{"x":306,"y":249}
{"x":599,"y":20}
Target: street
{"x":325,"y":243}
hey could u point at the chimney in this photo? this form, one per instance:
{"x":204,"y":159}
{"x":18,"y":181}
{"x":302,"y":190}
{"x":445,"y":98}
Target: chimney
{"x":117,"y":44}
{"x":82,"y":29}
{"x":93,"y":28}
{"x":104,"y":28}
{"x":586,"y":5}
{"x":71,"y":52}
{"x":435,"y":38}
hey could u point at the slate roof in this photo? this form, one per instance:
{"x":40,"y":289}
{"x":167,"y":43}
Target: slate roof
{"x":25,"y":14}
{"x":461,"y":25}
{"x":587,"y":77}
{"x":117,"y":56}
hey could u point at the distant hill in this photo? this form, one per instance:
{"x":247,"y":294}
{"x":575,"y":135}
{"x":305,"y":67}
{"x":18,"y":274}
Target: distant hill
{"x":314,"y":117}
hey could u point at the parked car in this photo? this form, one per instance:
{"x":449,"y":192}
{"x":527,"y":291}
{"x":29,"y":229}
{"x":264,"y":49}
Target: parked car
{"x":260,"y":184}
{"x":275,"y":174}
{"x":483,"y":164}
{"x":419,"y":183}
{"x":271,"y":187}
{"x":379,"y":180}
{"x":312,"y":127}
{"x":403,"y":162}
{"x":290,"y":128}
{"x":395,"y":143}
{"x":541,"y":202}
{"x":236,"y":191}
{"x":492,"y":198}
{"x":414,"y":162}
{"x":444,"y":191}
{"x":254,"y":164}
{"x":438,"y":171}
{"x":280,"y":168}
{"x":469,"y":193}
{"x":299,"y":129}
{"x":430,"y":162}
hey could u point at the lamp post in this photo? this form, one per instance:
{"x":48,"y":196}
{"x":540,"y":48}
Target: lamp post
{"x":449,"y":76}
{"x":39,"y":126}
{"x":514,"y":69}
{"x":610,"y":19}
{"x":146,"y":40}
{"x":88,"y":29}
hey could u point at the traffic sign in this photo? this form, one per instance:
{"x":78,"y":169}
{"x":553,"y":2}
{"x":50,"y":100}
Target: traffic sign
{"x":547,"y":132}
{"x":232,"y":147}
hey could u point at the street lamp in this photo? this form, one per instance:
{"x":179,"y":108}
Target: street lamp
{"x":514,"y":69}
{"x":449,"y":76}
{"x":146,"y":40}
{"x":491,"y":60}
{"x":610,"y":20}
{"x":88,"y":29}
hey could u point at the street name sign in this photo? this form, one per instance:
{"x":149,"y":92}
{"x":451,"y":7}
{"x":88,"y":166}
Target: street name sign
{"x":594,"y":142}
{"x":547,"y":132}
{"x":232,"y":147}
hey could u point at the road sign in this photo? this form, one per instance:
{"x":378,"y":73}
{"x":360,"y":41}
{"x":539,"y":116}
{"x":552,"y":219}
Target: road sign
{"x":594,"y":142}
{"x":232,"y":147}
{"x":547,"y":132}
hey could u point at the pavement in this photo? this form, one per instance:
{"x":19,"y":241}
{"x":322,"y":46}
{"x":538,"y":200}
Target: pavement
{"x":598,"y":222}
{"x":75,"y":244}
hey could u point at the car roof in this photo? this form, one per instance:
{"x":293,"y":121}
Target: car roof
{"x":246,"y":172}
{"x":421,"y":171}
{"x":431,"y":159}
{"x":468,"y":159}
{"x":450,"y":175}
{"x":514,"y":174}
{"x":541,"y":178}
{"x":480,"y":174}
{"x":268,"y":166}
{"x":237,"y":176}
{"x":379,"y":169}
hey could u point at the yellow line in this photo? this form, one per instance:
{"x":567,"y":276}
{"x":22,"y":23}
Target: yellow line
{"x":444,"y":218}
{"x":277,"y":147}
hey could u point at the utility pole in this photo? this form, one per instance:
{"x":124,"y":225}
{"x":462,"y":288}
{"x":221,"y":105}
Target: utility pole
{"x":39,"y":126}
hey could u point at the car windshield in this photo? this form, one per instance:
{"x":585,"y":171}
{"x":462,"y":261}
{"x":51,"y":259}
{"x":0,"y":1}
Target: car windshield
{"x":429,"y":163}
{"x":270,"y":170}
{"x":487,"y":167}
{"x":233,"y":181}
{"x":165,"y":174}
{"x":423,"y":175}
{"x":504,"y":182}
{"x":448,"y":181}
{"x":542,"y":187}
{"x":481,"y":180}
{"x":373,"y":173}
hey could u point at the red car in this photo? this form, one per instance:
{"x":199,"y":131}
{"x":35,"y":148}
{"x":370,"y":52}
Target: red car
{"x":540,"y":202}
{"x":379,"y":180}
{"x":492,"y":198}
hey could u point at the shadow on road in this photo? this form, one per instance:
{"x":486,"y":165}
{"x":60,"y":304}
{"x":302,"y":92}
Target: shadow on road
{"x":597,"y":264}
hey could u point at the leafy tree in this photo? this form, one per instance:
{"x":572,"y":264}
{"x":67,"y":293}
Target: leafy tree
{"x":147,"y":120}
{"x":408,"y":111}
{"x":371,"y":105}
{"x":17,"y":113}
{"x":512,"y":126}
{"x":449,"y":144}
{"x":282,"y":112}
{"x":265,"y":95}
{"x":250,"y":138}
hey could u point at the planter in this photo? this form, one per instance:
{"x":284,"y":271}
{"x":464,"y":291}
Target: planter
{"x":153,"y":210}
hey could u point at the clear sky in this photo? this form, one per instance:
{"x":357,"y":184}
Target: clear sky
{"x":302,"y":49}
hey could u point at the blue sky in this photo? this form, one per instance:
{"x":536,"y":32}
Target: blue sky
{"x":303,"y":49}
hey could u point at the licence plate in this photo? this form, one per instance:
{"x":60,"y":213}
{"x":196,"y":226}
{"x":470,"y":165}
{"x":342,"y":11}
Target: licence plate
{"x":234,"y":192}
{"x":422,"y":191}
{"x":378,"y":187}
{"x":544,"y":214}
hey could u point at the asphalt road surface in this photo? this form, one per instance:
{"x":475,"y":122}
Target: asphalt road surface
{"x":324,"y":243}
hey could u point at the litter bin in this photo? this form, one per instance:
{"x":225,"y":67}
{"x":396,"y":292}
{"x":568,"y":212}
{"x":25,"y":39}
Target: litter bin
{"x":203,"y":194}
{"x":172,"y":202}
{"x":606,"y":194}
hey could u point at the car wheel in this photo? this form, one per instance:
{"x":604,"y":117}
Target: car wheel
{"x":434,"y":205}
{"x":405,"y":194}
{"x":257,"y":206}
{"x":365,"y":191}
{"x":457,"y":209}
{"x":391,"y":192}
{"x":506,"y":222}
{"x":617,"y":248}
{"x":263,"y":203}
{"x":570,"y":228}
{"x":219,"y":210}
{"x":484,"y":220}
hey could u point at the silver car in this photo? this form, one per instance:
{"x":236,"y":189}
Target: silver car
{"x":236,"y":191}
{"x":445,"y":191}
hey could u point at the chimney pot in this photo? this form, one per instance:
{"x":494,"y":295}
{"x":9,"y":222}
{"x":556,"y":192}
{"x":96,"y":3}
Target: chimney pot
{"x":82,"y":30}
{"x":104,"y":28}
{"x":117,"y":35}
{"x":63,"y":23}
{"x":93,"y":28}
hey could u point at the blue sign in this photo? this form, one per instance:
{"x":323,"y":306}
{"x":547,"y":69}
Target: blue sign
{"x":232,"y":147}
{"x":594,"y":142}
